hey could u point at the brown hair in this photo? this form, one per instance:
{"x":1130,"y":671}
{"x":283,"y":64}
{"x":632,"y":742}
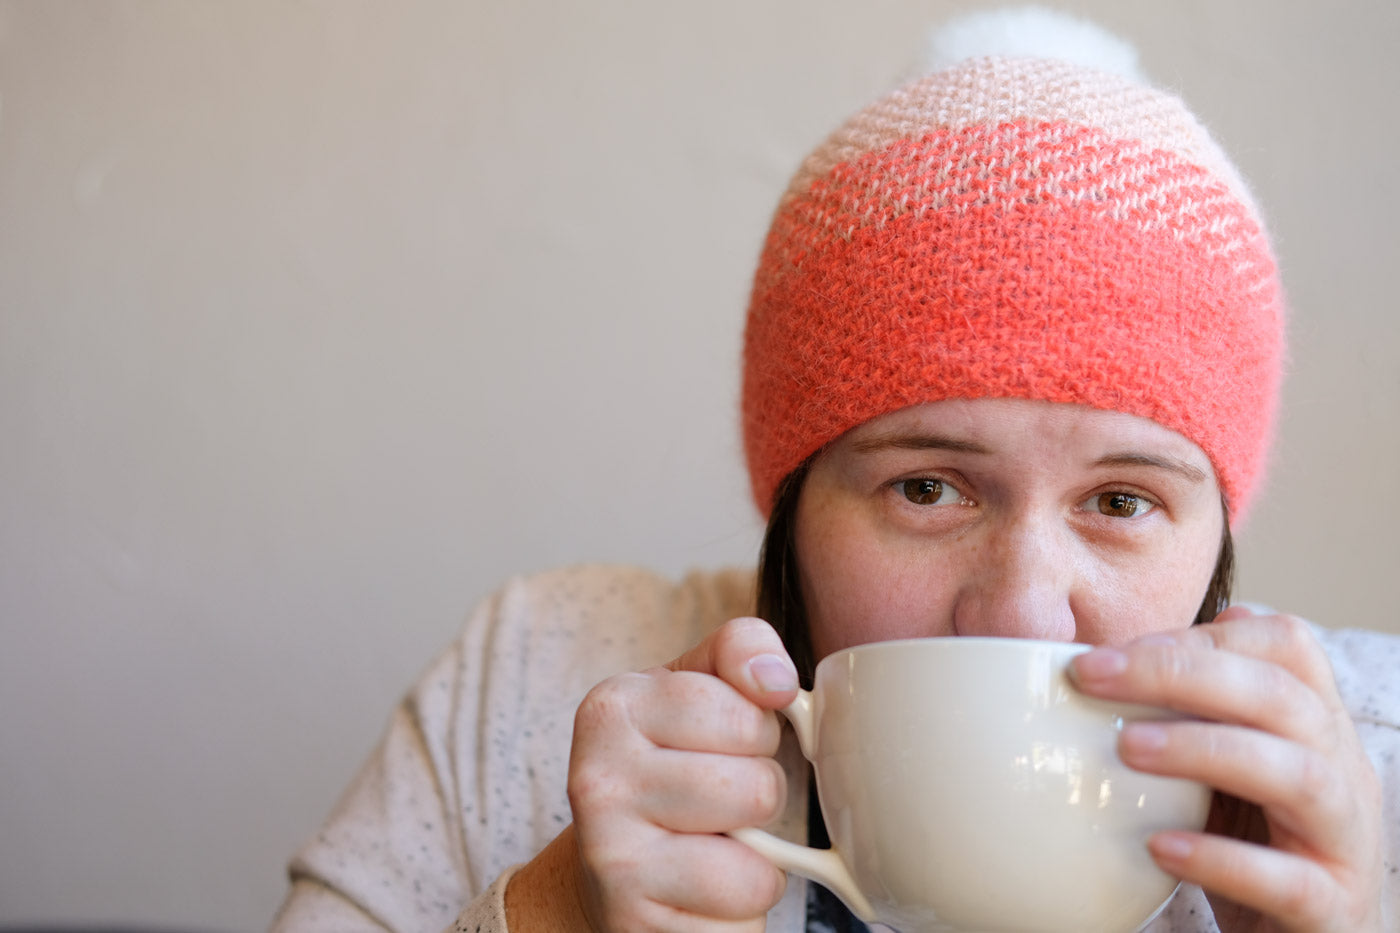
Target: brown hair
{"x":780,"y":589}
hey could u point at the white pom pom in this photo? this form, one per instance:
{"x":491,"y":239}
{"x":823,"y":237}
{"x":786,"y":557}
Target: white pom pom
{"x":1033,"y":32}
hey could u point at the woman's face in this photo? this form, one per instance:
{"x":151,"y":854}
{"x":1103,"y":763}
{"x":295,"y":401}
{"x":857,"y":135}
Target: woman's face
{"x":1005,"y":517}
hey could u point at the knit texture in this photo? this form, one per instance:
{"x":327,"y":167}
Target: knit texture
{"x":1021,"y":228}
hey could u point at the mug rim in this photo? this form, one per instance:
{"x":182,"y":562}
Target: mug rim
{"x":1070,"y":648}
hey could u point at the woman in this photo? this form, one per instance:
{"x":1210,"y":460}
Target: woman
{"x":1011,"y":368}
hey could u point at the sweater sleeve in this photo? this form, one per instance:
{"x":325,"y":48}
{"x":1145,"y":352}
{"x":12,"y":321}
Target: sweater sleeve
{"x":392,"y":856}
{"x":469,"y":779}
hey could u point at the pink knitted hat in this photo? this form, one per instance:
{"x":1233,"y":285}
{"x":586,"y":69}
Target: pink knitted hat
{"x":1025,"y":228}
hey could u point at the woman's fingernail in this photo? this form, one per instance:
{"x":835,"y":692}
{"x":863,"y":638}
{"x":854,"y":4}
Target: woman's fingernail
{"x":1171,"y":847}
{"x":1157,"y":638}
{"x":1144,"y":738}
{"x":1099,"y":664}
{"x":773,"y":674}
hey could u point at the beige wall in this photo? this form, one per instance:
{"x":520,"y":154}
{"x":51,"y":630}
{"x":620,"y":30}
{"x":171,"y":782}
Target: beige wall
{"x":319,"y":318}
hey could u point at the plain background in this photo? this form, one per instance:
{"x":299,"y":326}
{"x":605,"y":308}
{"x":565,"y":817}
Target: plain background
{"x":317,"y":319}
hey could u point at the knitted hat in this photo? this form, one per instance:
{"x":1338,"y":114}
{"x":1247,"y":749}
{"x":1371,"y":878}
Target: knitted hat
{"x":1016,"y":227}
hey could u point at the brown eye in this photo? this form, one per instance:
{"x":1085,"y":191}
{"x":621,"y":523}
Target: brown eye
{"x":1121,"y":504}
{"x":923,"y":491}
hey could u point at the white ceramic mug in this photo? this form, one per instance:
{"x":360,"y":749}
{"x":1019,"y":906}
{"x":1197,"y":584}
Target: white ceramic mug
{"x":968,"y":786}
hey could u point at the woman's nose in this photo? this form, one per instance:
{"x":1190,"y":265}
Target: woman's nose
{"x":1021,"y":585}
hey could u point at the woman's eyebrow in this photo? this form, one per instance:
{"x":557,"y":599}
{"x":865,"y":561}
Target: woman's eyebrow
{"x":1188,"y":470}
{"x":916,"y":441}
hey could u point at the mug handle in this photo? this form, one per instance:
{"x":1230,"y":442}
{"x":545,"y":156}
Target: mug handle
{"x":824,"y":866}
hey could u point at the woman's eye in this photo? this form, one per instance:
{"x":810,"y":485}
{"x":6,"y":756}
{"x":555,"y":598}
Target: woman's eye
{"x":928,"y":492}
{"x":1119,"y":504}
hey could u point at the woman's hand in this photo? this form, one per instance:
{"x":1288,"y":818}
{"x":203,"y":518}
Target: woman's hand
{"x":664,"y":762}
{"x":1301,"y":845}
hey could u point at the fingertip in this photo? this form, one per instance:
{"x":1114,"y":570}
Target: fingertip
{"x":780,"y":881}
{"x":1098,"y":665}
{"x":1171,"y":850}
{"x":774,"y":674}
{"x":1162,"y":639}
{"x":750,"y":656}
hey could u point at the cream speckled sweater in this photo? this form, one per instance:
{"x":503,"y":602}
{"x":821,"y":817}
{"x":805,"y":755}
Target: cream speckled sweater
{"x":469,"y":779}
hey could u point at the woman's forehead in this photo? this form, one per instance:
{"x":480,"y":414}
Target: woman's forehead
{"x":996,"y":425}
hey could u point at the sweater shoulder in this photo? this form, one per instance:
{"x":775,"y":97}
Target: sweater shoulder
{"x":626,"y":616}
